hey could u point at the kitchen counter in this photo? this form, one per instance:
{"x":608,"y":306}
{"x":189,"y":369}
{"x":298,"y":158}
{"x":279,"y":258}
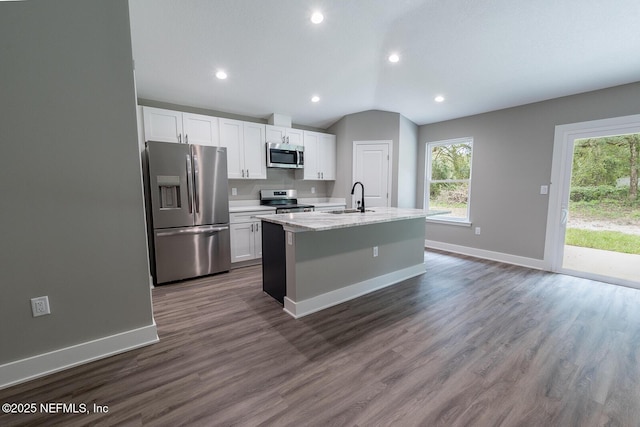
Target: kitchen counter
{"x":321,"y":221}
{"x":236,"y":206}
{"x":315,"y":260}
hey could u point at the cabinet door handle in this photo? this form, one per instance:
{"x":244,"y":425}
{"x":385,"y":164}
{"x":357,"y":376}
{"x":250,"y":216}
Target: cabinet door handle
{"x":257,"y":227}
{"x":186,"y":138}
{"x":252,"y":228}
{"x":243,"y":173}
{"x":322,"y":175}
{"x":247,"y":173}
{"x":179,"y":138}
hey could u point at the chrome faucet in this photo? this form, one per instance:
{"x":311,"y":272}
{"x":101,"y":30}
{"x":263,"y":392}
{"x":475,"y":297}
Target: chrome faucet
{"x":361,"y":203}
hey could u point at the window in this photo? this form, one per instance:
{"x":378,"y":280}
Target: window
{"x":448,"y":179}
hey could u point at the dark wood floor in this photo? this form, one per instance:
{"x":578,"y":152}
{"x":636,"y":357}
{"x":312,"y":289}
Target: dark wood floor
{"x":471,"y":342}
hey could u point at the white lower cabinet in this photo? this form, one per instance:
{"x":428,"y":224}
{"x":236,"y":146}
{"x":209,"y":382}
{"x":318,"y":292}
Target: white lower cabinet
{"x":246,"y":235}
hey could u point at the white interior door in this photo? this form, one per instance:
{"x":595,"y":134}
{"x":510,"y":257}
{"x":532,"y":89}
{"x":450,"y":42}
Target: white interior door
{"x":372,"y":161}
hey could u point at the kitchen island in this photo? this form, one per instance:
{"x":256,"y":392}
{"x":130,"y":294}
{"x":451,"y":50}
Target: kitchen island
{"x":315,"y":260}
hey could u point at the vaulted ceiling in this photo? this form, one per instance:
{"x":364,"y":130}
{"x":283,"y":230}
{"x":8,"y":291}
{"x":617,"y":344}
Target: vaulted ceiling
{"x":480,"y":55}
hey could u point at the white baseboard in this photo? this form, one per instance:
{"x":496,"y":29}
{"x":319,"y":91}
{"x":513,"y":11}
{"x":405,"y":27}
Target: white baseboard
{"x":538,"y":264}
{"x":311,"y":305}
{"x":30,"y":368}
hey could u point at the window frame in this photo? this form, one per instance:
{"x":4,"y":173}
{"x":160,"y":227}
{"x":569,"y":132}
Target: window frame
{"x":428,"y":181}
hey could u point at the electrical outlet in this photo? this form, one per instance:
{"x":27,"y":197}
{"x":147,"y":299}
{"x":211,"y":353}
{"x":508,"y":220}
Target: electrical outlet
{"x":289,"y":238}
{"x":313,"y":190}
{"x":375,"y":251}
{"x":234,"y":191}
{"x":544,"y":189}
{"x":40,"y":306}
{"x":477,"y":231}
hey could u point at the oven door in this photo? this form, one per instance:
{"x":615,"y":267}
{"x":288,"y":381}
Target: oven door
{"x":284,"y":156}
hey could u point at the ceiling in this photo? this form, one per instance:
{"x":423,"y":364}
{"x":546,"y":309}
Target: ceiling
{"x":481,"y":55}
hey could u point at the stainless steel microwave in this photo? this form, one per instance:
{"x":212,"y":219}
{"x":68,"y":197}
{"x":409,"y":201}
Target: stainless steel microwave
{"x":285,"y":156}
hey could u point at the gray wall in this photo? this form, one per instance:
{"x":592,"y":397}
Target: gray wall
{"x":215,"y":113}
{"x":511,"y":159}
{"x":72,"y":219}
{"x":332,"y":259}
{"x":377,"y":125}
{"x":407,"y":164}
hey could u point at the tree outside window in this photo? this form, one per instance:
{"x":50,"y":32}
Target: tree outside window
{"x":448,"y":178}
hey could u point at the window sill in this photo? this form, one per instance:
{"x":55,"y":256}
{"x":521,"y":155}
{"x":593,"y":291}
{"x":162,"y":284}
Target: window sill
{"x":458,"y":223}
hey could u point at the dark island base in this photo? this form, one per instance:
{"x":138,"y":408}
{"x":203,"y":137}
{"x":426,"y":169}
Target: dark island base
{"x":274,"y":265}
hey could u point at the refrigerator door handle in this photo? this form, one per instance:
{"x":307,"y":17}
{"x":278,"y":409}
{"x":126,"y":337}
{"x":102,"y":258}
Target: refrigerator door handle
{"x":196,"y":179}
{"x":189,"y":201}
{"x":191,"y":231}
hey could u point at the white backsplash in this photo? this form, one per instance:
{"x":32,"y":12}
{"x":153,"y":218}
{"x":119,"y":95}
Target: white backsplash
{"x":249,"y":189}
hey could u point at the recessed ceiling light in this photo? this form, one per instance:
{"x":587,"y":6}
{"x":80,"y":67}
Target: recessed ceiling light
{"x":317,"y":17}
{"x":315,"y":98}
{"x":221,"y":75}
{"x":439,"y":98}
{"x":394,"y":57}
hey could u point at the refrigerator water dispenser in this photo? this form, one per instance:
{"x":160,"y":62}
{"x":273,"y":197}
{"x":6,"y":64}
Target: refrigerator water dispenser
{"x":169,"y":187}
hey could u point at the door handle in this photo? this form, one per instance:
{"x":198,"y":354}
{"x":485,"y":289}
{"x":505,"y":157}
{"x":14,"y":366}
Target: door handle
{"x":196,"y":174}
{"x":565,"y":216}
{"x":189,"y":201}
{"x":205,"y":230}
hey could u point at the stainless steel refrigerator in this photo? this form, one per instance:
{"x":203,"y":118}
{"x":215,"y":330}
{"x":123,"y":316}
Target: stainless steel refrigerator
{"x":189,"y":210}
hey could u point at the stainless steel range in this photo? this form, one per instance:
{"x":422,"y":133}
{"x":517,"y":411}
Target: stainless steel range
{"x":285,"y":201}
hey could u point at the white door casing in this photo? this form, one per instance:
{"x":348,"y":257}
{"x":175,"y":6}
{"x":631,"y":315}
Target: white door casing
{"x":561,"y":169}
{"x":372,"y":167}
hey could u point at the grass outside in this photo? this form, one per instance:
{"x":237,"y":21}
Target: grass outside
{"x":616,"y":211}
{"x":614,"y":241}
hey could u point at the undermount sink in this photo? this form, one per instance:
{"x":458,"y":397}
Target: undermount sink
{"x":349,"y":211}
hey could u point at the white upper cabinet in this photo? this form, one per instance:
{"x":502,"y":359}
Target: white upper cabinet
{"x":327,"y":157}
{"x":231,"y":137}
{"x":319,"y":156}
{"x":284,"y":135}
{"x":175,"y":126}
{"x":255,"y":151}
{"x":246,"y":149}
{"x":199,"y":129}
{"x":311,"y":155}
{"x":162,"y":125}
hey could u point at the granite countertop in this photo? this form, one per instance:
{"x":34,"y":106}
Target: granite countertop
{"x":254,"y":205}
{"x":321,"y":221}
